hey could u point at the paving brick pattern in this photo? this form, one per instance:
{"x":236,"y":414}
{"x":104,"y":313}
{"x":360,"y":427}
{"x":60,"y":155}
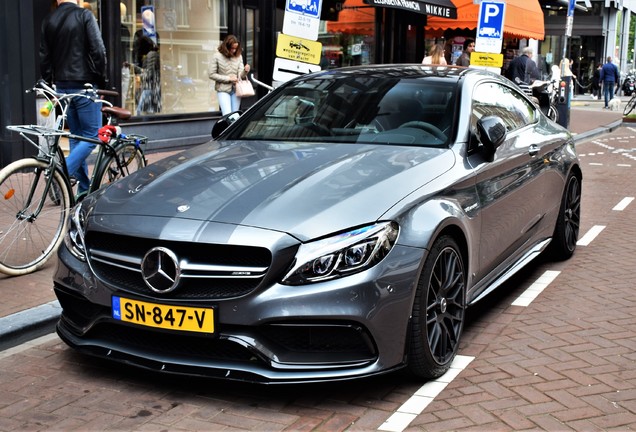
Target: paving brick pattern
{"x":565,"y":362}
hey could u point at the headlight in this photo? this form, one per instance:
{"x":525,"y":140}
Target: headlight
{"x":74,"y":238}
{"x":341,"y":255}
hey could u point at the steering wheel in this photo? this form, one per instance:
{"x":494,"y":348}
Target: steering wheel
{"x":427,"y":127}
{"x":318,"y":129}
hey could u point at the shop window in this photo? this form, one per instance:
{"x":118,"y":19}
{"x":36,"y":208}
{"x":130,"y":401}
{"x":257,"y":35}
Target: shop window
{"x":166,"y":47}
{"x":348,"y":39}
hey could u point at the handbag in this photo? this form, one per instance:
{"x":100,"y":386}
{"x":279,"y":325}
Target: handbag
{"x":244,"y":88}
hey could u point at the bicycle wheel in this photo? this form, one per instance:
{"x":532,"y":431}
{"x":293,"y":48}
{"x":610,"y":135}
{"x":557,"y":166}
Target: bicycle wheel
{"x":128,"y":159}
{"x":553,"y":113}
{"x":28,"y":238}
{"x":630,"y":105}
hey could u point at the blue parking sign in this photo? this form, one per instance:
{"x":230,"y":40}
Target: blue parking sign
{"x":305,"y":7}
{"x":491,"y":19}
{"x":490,"y":27}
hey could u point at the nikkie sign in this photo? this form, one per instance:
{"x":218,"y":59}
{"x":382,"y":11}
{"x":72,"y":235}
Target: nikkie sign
{"x":439,"y":8}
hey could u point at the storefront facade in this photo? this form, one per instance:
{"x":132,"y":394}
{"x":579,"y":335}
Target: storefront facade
{"x":185,"y":33}
{"x":600,"y":29}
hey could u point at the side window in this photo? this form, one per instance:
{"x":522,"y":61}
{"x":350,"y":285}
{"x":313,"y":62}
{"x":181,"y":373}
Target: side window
{"x":502,"y":101}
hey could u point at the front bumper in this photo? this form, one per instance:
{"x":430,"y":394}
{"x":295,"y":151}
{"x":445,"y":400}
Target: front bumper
{"x":345,"y":328}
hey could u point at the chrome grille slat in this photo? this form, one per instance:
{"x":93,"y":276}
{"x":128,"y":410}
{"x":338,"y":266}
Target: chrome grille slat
{"x":208,"y":271}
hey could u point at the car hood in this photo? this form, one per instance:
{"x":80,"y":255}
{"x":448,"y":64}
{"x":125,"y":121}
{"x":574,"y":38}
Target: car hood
{"x":305,"y":190}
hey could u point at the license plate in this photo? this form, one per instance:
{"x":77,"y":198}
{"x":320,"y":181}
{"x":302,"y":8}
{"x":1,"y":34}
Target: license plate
{"x":161,"y":316}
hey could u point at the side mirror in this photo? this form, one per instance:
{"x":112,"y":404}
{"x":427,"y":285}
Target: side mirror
{"x":491,"y":133}
{"x":225,"y":122}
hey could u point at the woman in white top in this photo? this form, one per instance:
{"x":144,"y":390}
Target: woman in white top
{"x":226,"y":69}
{"x":435,"y":55}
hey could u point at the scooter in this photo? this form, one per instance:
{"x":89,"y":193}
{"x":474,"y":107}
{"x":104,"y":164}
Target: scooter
{"x":629,"y":84}
{"x":545,"y":94}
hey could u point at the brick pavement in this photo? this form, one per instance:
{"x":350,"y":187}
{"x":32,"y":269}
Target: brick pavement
{"x":568,"y":361}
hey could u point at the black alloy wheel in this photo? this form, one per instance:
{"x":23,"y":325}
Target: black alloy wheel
{"x":438,"y":311}
{"x":566,"y":232}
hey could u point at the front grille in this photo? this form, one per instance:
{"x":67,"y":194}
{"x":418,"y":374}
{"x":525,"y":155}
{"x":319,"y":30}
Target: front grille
{"x":212,"y":272}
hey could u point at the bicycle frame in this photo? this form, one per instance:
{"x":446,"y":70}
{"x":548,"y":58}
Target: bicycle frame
{"x":63,"y":101}
{"x":53,"y":157}
{"x":38,"y":191}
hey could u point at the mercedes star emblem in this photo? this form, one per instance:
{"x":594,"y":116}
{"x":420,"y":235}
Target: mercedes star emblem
{"x":160,"y":270}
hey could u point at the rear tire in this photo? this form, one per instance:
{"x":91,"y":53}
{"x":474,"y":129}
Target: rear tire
{"x":28,"y":241}
{"x":566,"y":232}
{"x":438,"y":311}
{"x":131,"y":159}
{"x":553,"y":113}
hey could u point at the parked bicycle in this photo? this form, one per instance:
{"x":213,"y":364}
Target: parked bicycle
{"x":629,"y":107}
{"x":36,"y":193}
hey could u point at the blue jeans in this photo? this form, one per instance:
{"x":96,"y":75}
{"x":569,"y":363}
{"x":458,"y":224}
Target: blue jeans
{"x":608,"y":91}
{"x":84,"y":118}
{"x":228,"y":102}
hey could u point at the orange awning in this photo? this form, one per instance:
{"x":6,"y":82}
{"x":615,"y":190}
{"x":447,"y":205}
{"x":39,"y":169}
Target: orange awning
{"x":356,"y":17}
{"x":524,"y":19}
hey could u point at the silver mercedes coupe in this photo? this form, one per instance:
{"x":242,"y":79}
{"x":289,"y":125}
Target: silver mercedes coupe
{"x":337,"y":229}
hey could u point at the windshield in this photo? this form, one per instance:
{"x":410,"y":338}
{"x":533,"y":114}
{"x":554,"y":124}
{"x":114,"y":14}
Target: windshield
{"x":355,"y":109}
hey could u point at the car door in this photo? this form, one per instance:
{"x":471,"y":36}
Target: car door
{"x":510,"y":186}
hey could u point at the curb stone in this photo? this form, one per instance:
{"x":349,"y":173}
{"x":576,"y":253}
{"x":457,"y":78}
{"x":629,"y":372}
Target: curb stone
{"x":28,"y":324}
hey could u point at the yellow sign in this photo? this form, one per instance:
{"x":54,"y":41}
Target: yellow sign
{"x":486,"y":59}
{"x":299,"y":49}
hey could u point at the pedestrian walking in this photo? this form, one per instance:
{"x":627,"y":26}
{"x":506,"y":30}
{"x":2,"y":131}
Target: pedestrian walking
{"x":523,"y":68}
{"x":226,"y":68}
{"x":72,"y":53}
{"x":609,"y":76}
{"x":464,"y":59}
{"x":435,"y":55}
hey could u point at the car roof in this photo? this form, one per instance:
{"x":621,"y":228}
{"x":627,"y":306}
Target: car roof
{"x":415,"y":70}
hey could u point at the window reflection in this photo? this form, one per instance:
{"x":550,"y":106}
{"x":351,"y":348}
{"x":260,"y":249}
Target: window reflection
{"x":348,"y":36}
{"x":166,"y":45}
{"x":501,"y":101}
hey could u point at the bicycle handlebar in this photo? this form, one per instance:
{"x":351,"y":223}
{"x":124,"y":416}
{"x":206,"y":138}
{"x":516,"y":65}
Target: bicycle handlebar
{"x":56,"y":98}
{"x":89,"y":91}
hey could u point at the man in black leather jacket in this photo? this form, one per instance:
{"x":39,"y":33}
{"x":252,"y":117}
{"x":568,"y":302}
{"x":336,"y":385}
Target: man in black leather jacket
{"x":72,"y":54}
{"x":523,"y":68}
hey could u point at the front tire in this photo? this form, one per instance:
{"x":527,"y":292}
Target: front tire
{"x":630,"y":106}
{"x":28,"y":238}
{"x":438,"y":311}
